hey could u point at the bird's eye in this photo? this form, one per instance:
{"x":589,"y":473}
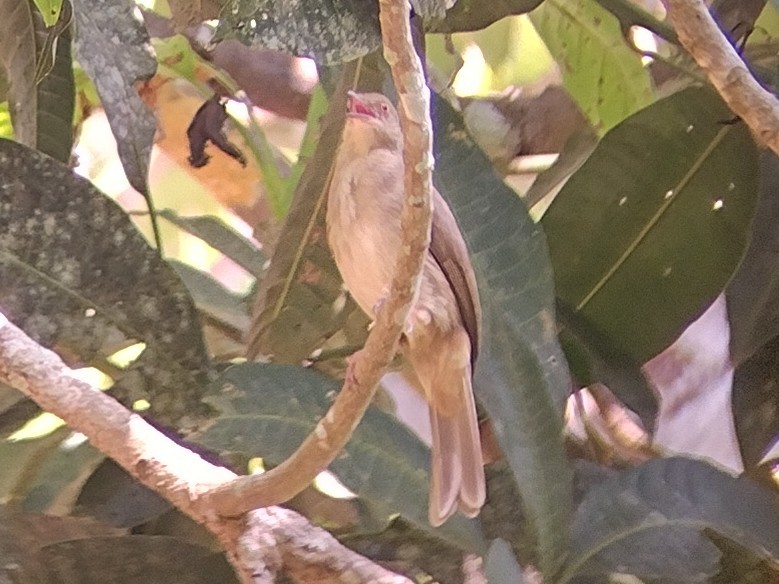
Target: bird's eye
{"x":384,"y":108}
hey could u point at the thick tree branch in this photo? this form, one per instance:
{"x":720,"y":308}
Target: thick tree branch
{"x":725,"y":69}
{"x":334,"y":430}
{"x":258,"y":544}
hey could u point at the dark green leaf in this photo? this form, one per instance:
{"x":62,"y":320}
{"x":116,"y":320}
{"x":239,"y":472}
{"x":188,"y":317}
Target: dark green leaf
{"x":221,"y":237}
{"x":113,"y":48}
{"x":521,"y":375}
{"x":647,"y":233}
{"x":267,"y":410}
{"x":602,"y":74}
{"x":468,"y":15}
{"x":78,"y":277}
{"x":328,"y":31}
{"x":648,"y":522}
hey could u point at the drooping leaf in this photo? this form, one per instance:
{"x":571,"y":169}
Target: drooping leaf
{"x":113,"y":48}
{"x":521,"y":376}
{"x":328,"y":31}
{"x":603,"y":75}
{"x":649,"y":522}
{"x":267,"y":410}
{"x":78,"y":277}
{"x":647,"y":233}
{"x":17,"y":55}
{"x":469,"y":15}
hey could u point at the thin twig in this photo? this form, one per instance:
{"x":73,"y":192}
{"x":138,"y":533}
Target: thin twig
{"x":334,"y":430}
{"x":725,"y":69}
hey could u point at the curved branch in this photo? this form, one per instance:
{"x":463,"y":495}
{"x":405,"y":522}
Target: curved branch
{"x":725,"y":69}
{"x":333,"y":431}
{"x":258,"y":545}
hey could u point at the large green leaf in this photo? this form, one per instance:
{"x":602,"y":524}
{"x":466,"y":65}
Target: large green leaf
{"x":267,"y":410}
{"x":649,"y":522}
{"x":647,"y":233}
{"x":521,"y":376}
{"x":78,"y":277}
{"x":603,"y":74}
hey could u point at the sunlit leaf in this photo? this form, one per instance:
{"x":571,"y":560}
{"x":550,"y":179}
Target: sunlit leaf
{"x":603,"y":75}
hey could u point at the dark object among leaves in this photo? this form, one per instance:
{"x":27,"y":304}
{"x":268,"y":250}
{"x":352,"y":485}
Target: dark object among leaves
{"x":207,"y":125}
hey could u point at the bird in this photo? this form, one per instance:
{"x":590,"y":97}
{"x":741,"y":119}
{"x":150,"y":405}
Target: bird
{"x":440,"y":338}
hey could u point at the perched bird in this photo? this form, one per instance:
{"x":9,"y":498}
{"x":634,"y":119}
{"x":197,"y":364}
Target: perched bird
{"x":441,"y":336}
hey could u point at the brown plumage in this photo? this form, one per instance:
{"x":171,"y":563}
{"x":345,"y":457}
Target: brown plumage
{"x":441,"y":336}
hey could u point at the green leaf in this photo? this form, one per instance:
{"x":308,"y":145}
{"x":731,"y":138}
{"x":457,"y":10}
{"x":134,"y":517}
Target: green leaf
{"x":521,"y":377}
{"x":649,"y":522}
{"x":647,"y":233}
{"x":602,"y":74}
{"x":50,"y":10}
{"x":267,"y":410}
{"x":328,"y":31}
{"x":469,"y":15}
{"x":221,"y":237}
{"x":78,"y":277}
